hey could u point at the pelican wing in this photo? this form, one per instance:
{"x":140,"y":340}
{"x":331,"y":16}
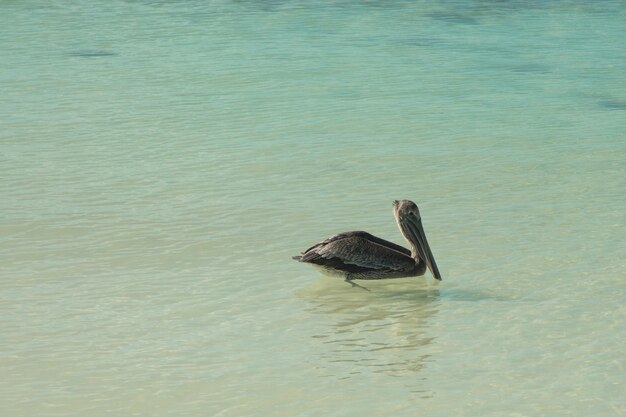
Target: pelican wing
{"x":359,"y":251}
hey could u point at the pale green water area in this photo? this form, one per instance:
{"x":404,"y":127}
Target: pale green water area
{"x":161,"y":161}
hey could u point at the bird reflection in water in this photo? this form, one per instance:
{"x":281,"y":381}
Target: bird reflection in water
{"x":383,"y":331}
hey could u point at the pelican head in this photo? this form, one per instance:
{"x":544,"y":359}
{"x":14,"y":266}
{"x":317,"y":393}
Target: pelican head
{"x":410,"y":223}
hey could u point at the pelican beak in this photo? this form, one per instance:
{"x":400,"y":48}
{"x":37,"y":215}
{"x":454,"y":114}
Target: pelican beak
{"x":423,"y":249}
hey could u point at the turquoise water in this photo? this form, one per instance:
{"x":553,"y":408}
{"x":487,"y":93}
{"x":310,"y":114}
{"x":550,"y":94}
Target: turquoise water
{"x":161,"y":161}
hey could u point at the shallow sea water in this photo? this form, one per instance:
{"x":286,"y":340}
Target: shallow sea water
{"x":161,"y":161}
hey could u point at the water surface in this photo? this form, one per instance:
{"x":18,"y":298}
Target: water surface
{"x":161,"y":161}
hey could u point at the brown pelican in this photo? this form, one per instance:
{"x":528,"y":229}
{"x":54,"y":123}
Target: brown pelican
{"x":359,"y":255}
